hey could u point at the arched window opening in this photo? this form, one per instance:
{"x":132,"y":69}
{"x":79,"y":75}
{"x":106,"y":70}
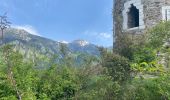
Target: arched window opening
{"x":133,"y":17}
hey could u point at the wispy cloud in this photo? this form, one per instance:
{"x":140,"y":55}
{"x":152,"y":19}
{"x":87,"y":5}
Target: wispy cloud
{"x":30,"y":29}
{"x":105,"y":35}
{"x":100,"y":35}
{"x":100,"y":38}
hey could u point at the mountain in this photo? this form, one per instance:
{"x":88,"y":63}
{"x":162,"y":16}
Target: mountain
{"x":33,"y":47}
{"x":83,"y":46}
{"x":29,"y":44}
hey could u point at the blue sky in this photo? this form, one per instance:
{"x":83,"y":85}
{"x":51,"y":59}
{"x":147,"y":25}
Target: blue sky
{"x":63,"y":20}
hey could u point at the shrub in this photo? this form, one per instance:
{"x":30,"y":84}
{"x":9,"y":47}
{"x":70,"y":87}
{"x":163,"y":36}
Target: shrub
{"x":118,"y":67}
{"x":159,"y":34}
{"x":147,"y":89}
{"x":124,"y":45}
{"x":144,"y":54}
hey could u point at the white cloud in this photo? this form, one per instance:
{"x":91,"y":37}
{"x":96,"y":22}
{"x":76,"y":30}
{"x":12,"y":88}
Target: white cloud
{"x":100,"y":38}
{"x":30,"y":29}
{"x":105,"y":35}
{"x":100,"y":35}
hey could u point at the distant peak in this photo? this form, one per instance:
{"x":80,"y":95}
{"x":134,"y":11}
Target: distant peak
{"x":81,"y":42}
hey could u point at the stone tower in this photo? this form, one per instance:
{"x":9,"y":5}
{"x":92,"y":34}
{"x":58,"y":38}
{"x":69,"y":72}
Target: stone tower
{"x":136,"y":16}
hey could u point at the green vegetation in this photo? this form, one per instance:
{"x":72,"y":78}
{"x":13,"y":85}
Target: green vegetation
{"x":136,"y":70}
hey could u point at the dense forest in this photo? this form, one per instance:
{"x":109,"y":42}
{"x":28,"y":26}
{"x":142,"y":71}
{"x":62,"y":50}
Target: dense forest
{"x":137,"y":69}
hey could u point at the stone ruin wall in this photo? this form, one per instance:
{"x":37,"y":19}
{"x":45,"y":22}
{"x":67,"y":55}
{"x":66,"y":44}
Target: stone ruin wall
{"x":153,"y":11}
{"x":151,"y":15}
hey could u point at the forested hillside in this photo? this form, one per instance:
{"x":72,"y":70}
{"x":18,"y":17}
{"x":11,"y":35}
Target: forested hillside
{"x":39,"y":49}
{"x":137,"y":69}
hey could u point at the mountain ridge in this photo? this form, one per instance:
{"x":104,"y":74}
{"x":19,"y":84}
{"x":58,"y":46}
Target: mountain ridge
{"x":23,"y":39}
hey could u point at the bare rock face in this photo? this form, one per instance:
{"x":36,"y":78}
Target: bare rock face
{"x":137,"y":16}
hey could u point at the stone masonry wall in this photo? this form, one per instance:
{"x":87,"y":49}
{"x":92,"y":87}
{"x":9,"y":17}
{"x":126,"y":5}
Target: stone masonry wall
{"x":152,"y":14}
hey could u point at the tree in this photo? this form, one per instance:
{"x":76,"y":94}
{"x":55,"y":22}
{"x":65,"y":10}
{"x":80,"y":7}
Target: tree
{"x":7,"y":53}
{"x":57,"y":83}
{"x":20,"y":74}
{"x":64,"y":50}
{"x":4,"y":24}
